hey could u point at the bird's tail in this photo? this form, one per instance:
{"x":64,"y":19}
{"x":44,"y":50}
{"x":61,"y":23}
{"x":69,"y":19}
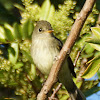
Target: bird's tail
{"x":76,"y":94}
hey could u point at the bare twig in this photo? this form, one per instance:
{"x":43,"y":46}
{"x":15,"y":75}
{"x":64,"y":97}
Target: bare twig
{"x":82,"y":69}
{"x":66,"y":48}
{"x":55,"y":91}
{"x":78,"y":54}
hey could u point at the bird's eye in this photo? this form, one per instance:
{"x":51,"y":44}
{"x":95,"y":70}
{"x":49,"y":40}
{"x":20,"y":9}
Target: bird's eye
{"x":40,"y":29}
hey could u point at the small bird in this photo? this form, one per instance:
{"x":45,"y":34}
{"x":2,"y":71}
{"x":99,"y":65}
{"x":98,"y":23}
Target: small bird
{"x":45,"y":47}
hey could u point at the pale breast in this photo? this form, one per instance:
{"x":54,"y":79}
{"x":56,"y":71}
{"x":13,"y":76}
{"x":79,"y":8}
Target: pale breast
{"x":43,"y":54}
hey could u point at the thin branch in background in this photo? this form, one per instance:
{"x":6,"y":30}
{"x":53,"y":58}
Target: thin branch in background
{"x":82,"y":69}
{"x":54,"y":92}
{"x":77,"y":57}
{"x":69,"y":98}
{"x":74,"y":33}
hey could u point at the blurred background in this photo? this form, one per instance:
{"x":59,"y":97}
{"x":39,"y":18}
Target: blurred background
{"x":19,"y":78}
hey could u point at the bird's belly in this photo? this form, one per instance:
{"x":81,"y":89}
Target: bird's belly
{"x":44,"y":58}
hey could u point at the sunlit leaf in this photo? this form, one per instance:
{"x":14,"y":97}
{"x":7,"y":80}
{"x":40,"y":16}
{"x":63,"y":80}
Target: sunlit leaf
{"x":51,"y":13}
{"x":18,"y":65}
{"x":93,"y":40}
{"x":13,"y":52}
{"x":27,"y":29}
{"x":95,"y":46}
{"x":2,"y":34}
{"x":17,"y":31}
{"x":19,"y":7}
{"x":91,"y":69}
{"x":45,"y":10}
{"x":79,"y":84}
{"x":64,"y":97}
{"x":88,"y":49}
{"x":83,"y":40}
{"x":95,"y":58}
{"x":9,"y":33}
{"x":32,"y":72}
{"x":30,"y":27}
{"x":96,"y":31}
{"x":7,"y":26}
{"x":87,"y":55}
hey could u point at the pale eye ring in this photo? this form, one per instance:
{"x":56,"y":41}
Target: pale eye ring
{"x":40,"y":29}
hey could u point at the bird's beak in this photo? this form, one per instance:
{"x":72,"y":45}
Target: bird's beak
{"x":49,"y":31}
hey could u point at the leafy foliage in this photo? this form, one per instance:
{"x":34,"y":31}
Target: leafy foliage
{"x":17,"y":69}
{"x":94,"y":64}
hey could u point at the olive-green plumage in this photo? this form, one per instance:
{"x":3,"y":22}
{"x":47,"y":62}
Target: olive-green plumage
{"x":45,"y":48}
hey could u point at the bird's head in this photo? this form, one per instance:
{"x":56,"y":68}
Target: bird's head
{"x":43,"y":27}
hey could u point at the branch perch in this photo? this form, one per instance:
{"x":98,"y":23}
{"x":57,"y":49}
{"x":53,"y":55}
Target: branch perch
{"x":74,"y":33}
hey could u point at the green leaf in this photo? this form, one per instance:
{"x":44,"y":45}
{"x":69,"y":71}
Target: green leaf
{"x":32,"y":72}
{"x":98,"y":73}
{"x":92,"y":91}
{"x":51,"y":13}
{"x":88,"y":49}
{"x":2,"y":34}
{"x":9,"y":33}
{"x":79,"y":84}
{"x":9,"y":27}
{"x":18,"y":65}
{"x":95,"y":58}
{"x":93,"y":40}
{"x":64,"y":97}
{"x":19,"y":7}
{"x":13,"y":53}
{"x":30,"y":27}
{"x":87,"y":55}
{"x":2,"y":74}
{"x":17,"y":31}
{"x":27,"y":29}
{"x":95,"y":46}
{"x":27,"y":55}
{"x":96,"y":31}
{"x":45,"y":10}
{"x":91,"y":69}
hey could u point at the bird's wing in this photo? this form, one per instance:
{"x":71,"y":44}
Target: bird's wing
{"x":71,"y":66}
{"x":70,"y":63}
{"x":59,"y":44}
